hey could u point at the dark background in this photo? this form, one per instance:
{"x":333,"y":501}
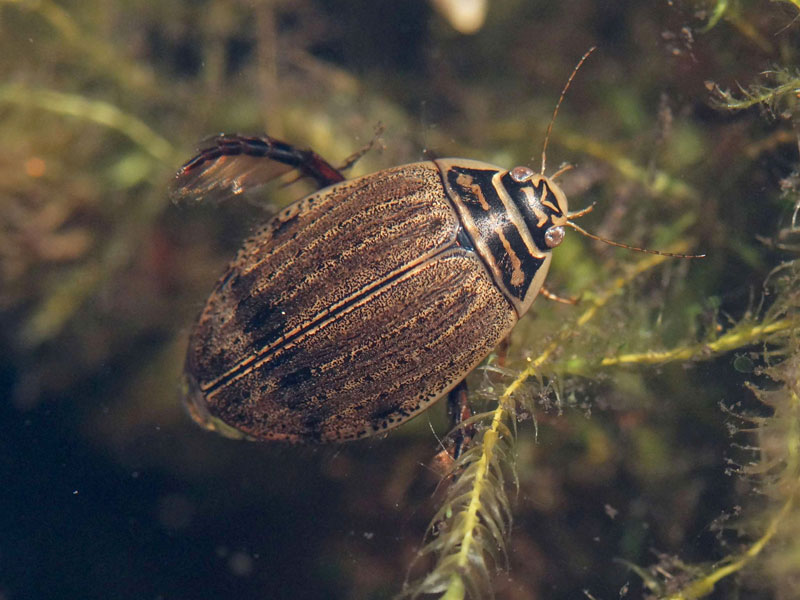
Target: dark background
{"x":108,"y":490}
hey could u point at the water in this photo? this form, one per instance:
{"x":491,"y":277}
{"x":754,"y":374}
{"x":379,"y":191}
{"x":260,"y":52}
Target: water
{"x":111,"y":491}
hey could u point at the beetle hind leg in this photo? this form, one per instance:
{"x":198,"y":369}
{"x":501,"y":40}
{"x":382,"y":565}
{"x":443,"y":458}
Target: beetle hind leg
{"x":459,"y":411}
{"x":229,"y":165}
{"x":358,"y":154}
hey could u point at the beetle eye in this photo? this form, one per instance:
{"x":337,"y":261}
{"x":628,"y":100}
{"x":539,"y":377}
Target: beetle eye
{"x":554,"y":236}
{"x":520,"y":174}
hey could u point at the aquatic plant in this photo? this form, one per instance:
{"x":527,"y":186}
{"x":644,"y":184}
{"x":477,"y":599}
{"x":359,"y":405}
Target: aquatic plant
{"x":587,"y":432}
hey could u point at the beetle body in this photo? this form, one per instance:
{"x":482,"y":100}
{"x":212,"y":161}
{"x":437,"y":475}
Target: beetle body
{"x":359,"y":305}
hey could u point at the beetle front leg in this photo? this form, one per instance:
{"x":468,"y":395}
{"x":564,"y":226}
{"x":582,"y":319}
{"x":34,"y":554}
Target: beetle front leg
{"x":556,"y":298}
{"x":356,"y":156}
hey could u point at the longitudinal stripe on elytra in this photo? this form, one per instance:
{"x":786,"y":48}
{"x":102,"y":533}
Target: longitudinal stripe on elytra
{"x":331,"y":217}
{"x":319,"y":321}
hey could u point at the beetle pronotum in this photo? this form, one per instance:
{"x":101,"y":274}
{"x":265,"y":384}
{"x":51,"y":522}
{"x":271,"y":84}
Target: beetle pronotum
{"x":361,"y":304}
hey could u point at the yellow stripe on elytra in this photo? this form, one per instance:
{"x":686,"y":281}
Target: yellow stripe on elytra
{"x":314,"y":323}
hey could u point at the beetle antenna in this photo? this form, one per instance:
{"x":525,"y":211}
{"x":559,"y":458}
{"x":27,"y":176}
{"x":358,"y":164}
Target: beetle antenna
{"x":558,"y":104}
{"x":618,"y":245}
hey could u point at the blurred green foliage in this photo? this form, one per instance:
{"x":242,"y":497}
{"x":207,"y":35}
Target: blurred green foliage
{"x":614,"y":416}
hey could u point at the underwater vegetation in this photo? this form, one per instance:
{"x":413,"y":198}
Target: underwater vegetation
{"x":643,"y":443}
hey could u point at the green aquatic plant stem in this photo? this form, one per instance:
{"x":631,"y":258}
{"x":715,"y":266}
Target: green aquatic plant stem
{"x":716,"y":15}
{"x":96,"y":111}
{"x":724,"y":9}
{"x":705,"y":585}
{"x":760,"y":95}
{"x":455,"y":589}
{"x":739,"y":337}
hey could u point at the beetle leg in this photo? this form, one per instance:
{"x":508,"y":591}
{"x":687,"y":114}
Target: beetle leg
{"x":230,"y":165}
{"x":356,"y":156}
{"x":458,"y":410}
{"x":556,"y":298}
{"x":502,"y":351}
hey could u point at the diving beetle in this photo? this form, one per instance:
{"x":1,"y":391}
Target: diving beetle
{"x":358,"y":306}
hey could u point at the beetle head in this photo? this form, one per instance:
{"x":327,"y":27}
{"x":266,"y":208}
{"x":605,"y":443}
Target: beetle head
{"x":543,"y":204}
